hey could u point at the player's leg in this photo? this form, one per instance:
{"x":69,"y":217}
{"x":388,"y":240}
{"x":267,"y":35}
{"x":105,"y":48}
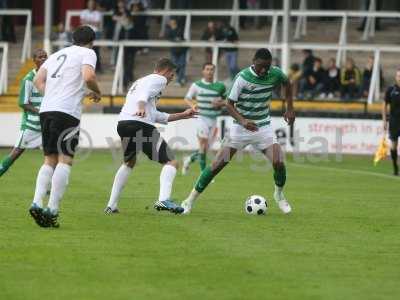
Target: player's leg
{"x":394,"y":155}
{"x":7,"y":161}
{"x":223,"y":157}
{"x":275,"y":154}
{"x":188,"y":160}
{"x":120,"y":180}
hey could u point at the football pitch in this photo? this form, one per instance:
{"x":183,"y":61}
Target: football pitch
{"x":342,"y":240}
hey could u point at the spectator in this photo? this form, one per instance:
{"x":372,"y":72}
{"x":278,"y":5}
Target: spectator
{"x":178,"y":54}
{"x":211,"y":34}
{"x":308,"y":62}
{"x":367,"y":75}
{"x":108,"y":24}
{"x":93,"y":18}
{"x":332,"y":84}
{"x":350,"y":79}
{"x":7,"y":30}
{"x":313,"y":81}
{"x":124,"y":30}
{"x":254,"y":5}
{"x":231,"y":54}
{"x":294,"y":77}
{"x":63,"y":36}
{"x":141,"y":30}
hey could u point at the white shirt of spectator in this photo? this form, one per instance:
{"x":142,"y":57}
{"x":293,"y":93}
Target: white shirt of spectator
{"x":91,"y":17}
{"x":146,"y":89}
{"x":65,"y":87}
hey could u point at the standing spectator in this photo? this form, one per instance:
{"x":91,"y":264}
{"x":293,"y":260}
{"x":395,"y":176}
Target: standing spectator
{"x":254,"y":5}
{"x":231,"y":54}
{"x":211,"y":34}
{"x":7,"y":30}
{"x":93,"y":18}
{"x":294,"y":77}
{"x":308,"y":62}
{"x":367,"y":75}
{"x":314,"y":80}
{"x":108,"y":24}
{"x":332,"y":84}
{"x":124,"y":30}
{"x":178,"y":54}
{"x":63,"y":36}
{"x":350,"y":79}
{"x":140,"y":28}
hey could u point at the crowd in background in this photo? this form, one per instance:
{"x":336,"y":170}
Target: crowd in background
{"x":313,"y":80}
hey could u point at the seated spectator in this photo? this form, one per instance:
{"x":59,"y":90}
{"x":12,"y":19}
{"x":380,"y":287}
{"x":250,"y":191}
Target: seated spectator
{"x":231,"y":54}
{"x":178,"y":54}
{"x":294,"y":78}
{"x":332,"y":84}
{"x":313,"y":81}
{"x":211,"y":34}
{"x":350,"y":80}
{"x":93,"y":18}
{"x":367,"y":75}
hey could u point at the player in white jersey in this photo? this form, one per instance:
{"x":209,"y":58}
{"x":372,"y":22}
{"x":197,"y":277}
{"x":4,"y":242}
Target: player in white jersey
{"x":136,"y":127}
{"x":62,"y":80}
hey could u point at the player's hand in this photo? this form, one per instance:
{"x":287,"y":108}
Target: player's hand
{"x":141,"y":112}
{"x":249,"y":125}
{"x":190,"y":113}
{"x":289,"y":117}
{"x":95,"y":97}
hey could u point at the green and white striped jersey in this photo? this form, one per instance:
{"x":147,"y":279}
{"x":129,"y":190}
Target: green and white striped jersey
{"x":30,"y":95}
{"x":252,"y":94}
{"x":205,"y":93}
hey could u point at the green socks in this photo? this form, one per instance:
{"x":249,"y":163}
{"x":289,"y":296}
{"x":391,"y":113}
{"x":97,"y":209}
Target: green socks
{"x":5,"y":164}
{"x":203,"y":161}
{"x":280,"y":176}
{"x":205,"y":178}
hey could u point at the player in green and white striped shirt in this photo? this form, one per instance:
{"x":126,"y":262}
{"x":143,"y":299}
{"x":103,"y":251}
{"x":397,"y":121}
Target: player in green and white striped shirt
{"x":29,"y":100}
{"x":249,"y":104}
{"x":210,"y":97}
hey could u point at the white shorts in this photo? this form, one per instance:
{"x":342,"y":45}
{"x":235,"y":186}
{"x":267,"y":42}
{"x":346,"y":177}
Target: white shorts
{"x":205,"y":127}
{"x":239,"y":138}
{"x":29,"y":139}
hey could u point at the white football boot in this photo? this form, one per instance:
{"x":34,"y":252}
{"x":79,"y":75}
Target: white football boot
{"x":283,"y":204}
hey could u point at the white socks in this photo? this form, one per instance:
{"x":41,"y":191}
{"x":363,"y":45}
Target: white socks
{"x":119,"y":182}
{"x":192,"y":197}
{"x":58,"y":186}
{"x":167,"y":177}
{"x":43,"y":181}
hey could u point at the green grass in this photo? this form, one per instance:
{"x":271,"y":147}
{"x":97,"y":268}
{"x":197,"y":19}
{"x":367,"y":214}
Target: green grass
{"x":341,"y":242}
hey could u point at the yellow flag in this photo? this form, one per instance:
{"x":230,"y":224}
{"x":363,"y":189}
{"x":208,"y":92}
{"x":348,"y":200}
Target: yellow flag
{"x":382,"y":151}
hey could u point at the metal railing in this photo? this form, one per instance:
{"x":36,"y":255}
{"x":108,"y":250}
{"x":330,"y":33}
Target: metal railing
{"x":117,"y":86}
{"x":27,"y":44}
{"x":4,"y":68}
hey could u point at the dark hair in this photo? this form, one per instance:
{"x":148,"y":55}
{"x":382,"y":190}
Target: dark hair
{"x":295,"y":67}
{"x":207,"y":64}
{"x":37,"y":52}
{"x":317,"y":59}
{"x":263,"y":53}
{"x":83,"y":35}
{"x":307,"y":51}
{"x":165,"y":63}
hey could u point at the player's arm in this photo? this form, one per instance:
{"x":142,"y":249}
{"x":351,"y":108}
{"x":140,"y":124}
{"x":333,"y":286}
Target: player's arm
{"x":187,"y":114}
{"x":190,"y":95}
{"x":232,"y":111}
{"x":24,"y":94}
{"x":233,"y":98}
{"x":289,"y":114}
{"x":89,"y":76}
{"x":385,"y":105}
{"x":40,"y":80}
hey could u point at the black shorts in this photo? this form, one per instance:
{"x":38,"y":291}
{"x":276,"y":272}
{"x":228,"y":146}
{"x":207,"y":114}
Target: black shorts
{"x":60,"y":133}
{"x":394,"y":131}
{"x":138,"y":136}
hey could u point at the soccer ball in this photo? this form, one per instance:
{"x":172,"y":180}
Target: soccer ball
{"x":256,"y":205}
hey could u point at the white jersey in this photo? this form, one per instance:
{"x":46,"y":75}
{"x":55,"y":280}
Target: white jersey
{"x":146,"y":89}
{"x":65,"y":88}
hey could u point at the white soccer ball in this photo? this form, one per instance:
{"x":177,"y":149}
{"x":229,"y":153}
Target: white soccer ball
{"x":256,"y":205}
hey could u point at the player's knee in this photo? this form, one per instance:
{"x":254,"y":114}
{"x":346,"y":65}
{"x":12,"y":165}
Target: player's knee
{"x":173,"y":163}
